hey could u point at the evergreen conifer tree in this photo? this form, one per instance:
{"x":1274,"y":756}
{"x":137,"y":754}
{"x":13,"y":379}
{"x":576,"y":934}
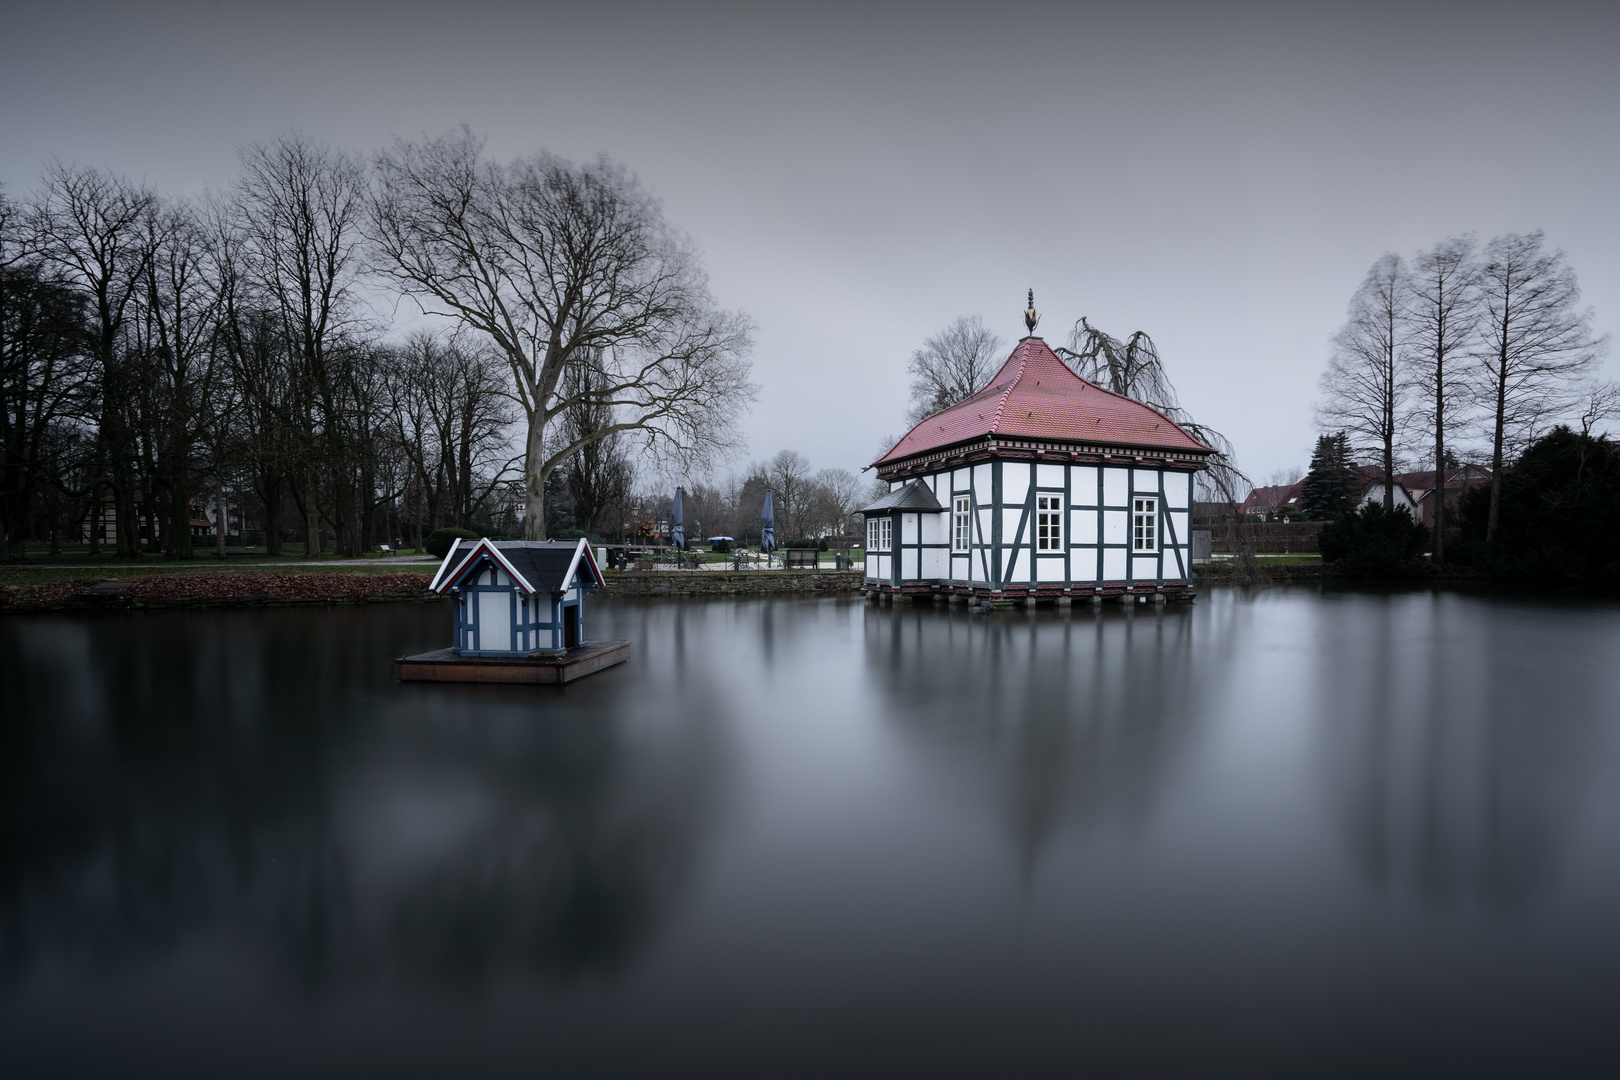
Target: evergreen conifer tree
{"x":1331,"y":485}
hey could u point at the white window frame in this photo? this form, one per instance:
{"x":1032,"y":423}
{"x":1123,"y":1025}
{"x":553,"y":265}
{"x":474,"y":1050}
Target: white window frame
{"x":1144,"y":525}
{"x":1048,"y":522}
{"x":962,"y":523}
{"x":879,"y":533}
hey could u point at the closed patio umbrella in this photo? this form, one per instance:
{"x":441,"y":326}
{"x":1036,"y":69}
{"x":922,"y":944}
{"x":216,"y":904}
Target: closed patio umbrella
{"x":677,"y":524}
{"x":767,"y":520}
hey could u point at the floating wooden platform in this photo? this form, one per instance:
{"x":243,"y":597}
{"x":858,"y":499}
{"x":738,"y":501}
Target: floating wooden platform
{"x":443,"y":665}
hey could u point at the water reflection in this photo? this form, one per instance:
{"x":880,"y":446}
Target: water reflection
{"x":262,"y":775}
{"x":1053,"y":716}
{"x":1457,"y":735}
{"x":1280,"y":829}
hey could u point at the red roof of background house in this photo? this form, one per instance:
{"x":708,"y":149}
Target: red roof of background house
{"x":1272,"y":498}
{"x":1457,"y":476}
{"x":1035,"y":395}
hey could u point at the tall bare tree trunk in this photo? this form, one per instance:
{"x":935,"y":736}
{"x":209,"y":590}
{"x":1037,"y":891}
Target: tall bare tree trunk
{"x":222,"y":518}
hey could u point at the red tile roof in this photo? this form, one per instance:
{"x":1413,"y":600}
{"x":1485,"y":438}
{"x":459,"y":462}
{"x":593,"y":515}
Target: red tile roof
{"x":1036,"y":396}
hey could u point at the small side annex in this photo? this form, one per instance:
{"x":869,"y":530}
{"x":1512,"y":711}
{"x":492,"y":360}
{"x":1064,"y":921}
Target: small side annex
{"x":518,"y":597}
{"x":1042,"y":486}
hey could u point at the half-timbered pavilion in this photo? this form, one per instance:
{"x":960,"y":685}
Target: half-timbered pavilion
{"x":1040,"y":486}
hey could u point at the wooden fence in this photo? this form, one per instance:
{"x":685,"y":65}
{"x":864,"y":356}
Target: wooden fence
{"x":1273,"y":538}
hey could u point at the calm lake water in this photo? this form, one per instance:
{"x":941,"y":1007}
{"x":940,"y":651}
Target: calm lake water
{"x":1290,"y":833}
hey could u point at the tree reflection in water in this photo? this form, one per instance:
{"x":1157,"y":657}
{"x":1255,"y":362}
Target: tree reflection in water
{"x":1056,"y":716}
{"x":1457,"y":736}
{"x":260,"y":775}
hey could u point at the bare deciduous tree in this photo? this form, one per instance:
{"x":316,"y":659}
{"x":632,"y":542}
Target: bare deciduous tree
{"x":556,"y":262}
{"x":1361,"y":387}
{"x":840,"y":496}
{"x":1442,"y":305}
{"x":97,"y":230}
{"x":1601,"y":404}
{"x":174,"y":326}
{"x":1535,"y":345}
{"x":299,"y":207}
{"x":951,"y":365}
{"x":789,"y":476}
{"x":44,"y":369}
{"x":598,"y":474}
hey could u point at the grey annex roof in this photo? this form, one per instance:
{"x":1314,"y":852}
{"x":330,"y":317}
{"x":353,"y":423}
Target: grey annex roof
{"x":915,"y":496}
{"x":543,"y":563}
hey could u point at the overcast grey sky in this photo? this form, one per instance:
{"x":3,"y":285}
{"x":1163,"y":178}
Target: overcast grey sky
{"x":1220,"y":176}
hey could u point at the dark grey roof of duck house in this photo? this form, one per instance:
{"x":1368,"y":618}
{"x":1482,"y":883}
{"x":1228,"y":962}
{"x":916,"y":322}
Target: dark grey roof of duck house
{"x":915,"y":496}
{"x":543,"y":563}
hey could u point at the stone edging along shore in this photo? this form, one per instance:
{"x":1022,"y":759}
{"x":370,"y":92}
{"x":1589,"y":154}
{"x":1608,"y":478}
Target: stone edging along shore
{"x":229,"y":588}
{"x":225,"y":588}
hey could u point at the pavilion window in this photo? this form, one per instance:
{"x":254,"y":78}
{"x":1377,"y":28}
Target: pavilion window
{"x":1145,"y":525}
{"x":878,"y":534}
{"x":1049,"y":523}
{"x":961,"y":523}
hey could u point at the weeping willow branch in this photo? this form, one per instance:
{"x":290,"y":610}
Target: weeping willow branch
{"x":1134,"y":369}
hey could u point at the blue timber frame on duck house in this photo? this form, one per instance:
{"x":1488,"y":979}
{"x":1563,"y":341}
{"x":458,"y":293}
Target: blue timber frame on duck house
{"x":518,"y":598}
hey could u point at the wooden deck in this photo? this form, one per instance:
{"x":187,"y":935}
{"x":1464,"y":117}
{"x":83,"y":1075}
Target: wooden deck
{"x":443,"y":665}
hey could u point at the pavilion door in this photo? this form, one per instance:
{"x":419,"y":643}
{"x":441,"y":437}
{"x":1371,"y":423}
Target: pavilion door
{"x":570,"y":627}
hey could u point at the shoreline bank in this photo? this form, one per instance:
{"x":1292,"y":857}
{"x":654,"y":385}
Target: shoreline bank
{"x":249,"y":589}
{"x":227,"y":588}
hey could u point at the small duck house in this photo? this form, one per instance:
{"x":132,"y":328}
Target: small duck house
{"x":518,"y":598}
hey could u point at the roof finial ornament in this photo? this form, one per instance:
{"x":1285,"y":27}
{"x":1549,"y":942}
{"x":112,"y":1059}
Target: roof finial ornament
{"x":1030,"y":316}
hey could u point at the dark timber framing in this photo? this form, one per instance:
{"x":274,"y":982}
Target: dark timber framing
{"x":1097,"y":487}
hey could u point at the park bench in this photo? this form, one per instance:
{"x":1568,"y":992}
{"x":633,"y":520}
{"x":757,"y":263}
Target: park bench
{"x":800,"y":558}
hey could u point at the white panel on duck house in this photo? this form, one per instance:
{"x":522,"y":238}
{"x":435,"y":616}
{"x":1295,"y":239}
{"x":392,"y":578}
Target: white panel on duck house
{"x":494,"y":621}
{"x":1051,"y":570}
{"x":908,"y":565}
{"x":1014,"y":565}
{"x":1146,"y":480}
{"x":1083,"y":526}
{"x":981,"y":485}
{"x":961,"y":568}
{"x":961,"y":480}
{"x":934,"y":563}
{"x":936,"y":528}
{"x":1176,"y":486}
{"x":1113,"y":564}
{"x":896,"y":485}
{"x":1014,"y":482}
{"x":1049,"y":476}
{"x":1083,"y":564}
{"x":1083,"y":484}
{"x":908,"y":528}
{"x":1144,"y":569}
{"x":1116,"y":486}
{"x":984,"y":526}
{"x":1114,"y":526}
